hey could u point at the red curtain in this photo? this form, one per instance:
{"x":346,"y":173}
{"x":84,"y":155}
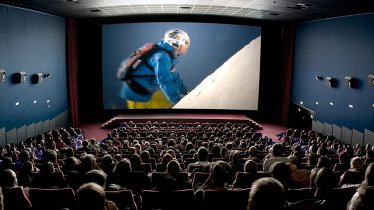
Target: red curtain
{"x":72,"y":72}
{"x":289,"y":42}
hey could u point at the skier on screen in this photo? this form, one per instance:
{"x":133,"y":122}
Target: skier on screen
{"x":150,"y":78}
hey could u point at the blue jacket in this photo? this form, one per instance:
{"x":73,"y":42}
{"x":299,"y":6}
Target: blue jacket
{"x":161,"y":77}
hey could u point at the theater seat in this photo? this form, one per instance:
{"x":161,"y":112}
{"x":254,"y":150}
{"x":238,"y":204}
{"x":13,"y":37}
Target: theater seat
{"x":168,"y":200}
{"x":15,"y":199}
{"x":123,"y":199}
{"x":52,"y":199}
{"x":223,"y":200}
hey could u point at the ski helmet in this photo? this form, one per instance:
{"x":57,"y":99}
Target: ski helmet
{"x":178,"y":39}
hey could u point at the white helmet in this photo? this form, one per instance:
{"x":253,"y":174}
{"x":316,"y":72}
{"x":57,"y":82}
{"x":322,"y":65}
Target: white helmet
{"x":178,"y":39}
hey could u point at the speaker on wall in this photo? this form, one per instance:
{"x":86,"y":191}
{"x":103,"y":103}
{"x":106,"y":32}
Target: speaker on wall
{"x":2,"y":75}
{"x":371,"y":80}
{"x":37,"y":78}
{"x":21,"y":77}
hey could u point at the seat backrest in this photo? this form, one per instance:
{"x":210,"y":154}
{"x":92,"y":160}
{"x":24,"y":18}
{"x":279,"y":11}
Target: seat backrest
{"x":47,"y":180}
{"x":168,"y":200}
{"x":15,"y":199}
{"x":123,"y":199}
{"x":310,"y":204}
{"x":222,"y":200}
{"x":352,"y":177}
{"x":294,"y":195}
{"x":339,"y":197}
{"x":245,"y":180}
{"x":52,"y":199}
{"x":199,"y":178}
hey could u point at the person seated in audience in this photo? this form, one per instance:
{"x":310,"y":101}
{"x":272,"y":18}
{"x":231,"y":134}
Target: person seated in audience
{"x":300,"y":177}
{"x":322,"y":162}
{"x":7,"y":163}
{"x":137,"y":164}
{"x":26,"y":174}
{"x":8,"y":178}
{"x":70,"y":158}
{"x":202,"y":160}
{"x":93,"y":146}
{"x":267,"y":193}
{"x":91,"y":196}
{"x":355,"y":174}
{"x":220,"y":178}
{"x":362,"y":199}
{"x":369,"y":175}
{"x":173,"y":180}
{"x":124,"y":176}
{"x":84,"y":146}
{"x":97,"y":176}
{"x":325,"y":179}
{"x":107,"y":163}
{"x":250,"y":167}
{"x":282,"y":172}
{"x":88,"y":163}
{"x":369,"y":157}
{"x":276,"y":156}
{"x":235,"y":161}
{"x":252,"y":154}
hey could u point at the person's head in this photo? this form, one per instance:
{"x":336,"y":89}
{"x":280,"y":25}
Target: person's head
{"x":282,"y":173}
{"x":221,"y":173}
{"x":362,"y":199}
{"x":8,"y":178}
{"x":277,"y":150}
{"x":178,"y":39}
{"x":250,"y":166}
{"x":173,"y":167}
{"x":252,"y":151}
{"x":356,"y":164}
{"x":97,"y":176}
{"x":91,"y":196}
{"x":123,"y":166}
{"x":202,"y":154}
{"x":69,"y":152}
{"x":369,"y":175}
{"x":135,"y":160}
{"x":324,"y":178}
{"x":267,"y":193}
{"x":88,"y":162}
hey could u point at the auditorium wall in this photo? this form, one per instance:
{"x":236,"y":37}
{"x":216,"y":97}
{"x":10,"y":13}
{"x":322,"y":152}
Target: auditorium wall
{"x":336,"y":48}
{"x":31,"y":42}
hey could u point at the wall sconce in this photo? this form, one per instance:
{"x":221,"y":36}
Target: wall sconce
{"x":371,"y":80}
{"x":38,"y":77}
{"x":350,"y":81}
{"x":21,"y":77}
{"x":2,"y":75}
{"x":330,"y":81}
{"x":319,"y":78}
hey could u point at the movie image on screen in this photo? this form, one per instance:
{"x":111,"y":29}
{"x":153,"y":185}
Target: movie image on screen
{"x":180,"y":65}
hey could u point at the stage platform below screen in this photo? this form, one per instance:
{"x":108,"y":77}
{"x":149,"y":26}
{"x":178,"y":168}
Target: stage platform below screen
{"x":181,"y":118}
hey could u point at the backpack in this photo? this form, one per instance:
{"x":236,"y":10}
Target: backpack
{"x":126,"y":70}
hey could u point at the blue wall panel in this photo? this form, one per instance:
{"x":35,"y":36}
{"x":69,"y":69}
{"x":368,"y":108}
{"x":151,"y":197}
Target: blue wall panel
{"x":336,"y":48}
{"x":35,"y":43}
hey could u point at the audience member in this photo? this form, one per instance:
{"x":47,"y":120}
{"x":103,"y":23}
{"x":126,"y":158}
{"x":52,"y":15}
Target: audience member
{"x":267,"y":193}
{"x":362,"y":199}
{"x":276,"y":156}
{"x":91,"y":196}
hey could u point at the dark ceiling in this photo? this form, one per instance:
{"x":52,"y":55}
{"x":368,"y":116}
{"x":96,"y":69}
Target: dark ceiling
{"x":259,"y":10}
